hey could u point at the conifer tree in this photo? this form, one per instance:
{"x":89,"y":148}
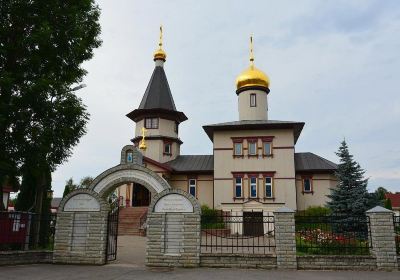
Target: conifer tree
{"x":350,"y":197}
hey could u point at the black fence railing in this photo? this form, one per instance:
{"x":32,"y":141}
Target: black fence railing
{"x":333,"y":235}
{"x":396,"y":221}
{"x":26,"y":231}
{"x":247,"y":233}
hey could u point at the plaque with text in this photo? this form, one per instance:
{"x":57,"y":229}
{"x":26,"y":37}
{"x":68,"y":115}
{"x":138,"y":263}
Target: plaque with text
{"x":82,"y":203}
{"x":173,"y":203}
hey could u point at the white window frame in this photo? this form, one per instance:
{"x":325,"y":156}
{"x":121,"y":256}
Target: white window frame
{"x":193,"y":184}
{"x":255,"y":148}
{"x":251,"y":186}
{"x":270,"y":148}
{"x":241,"y":187}
{"x":271,"y":184}
{"x":241,"y":148}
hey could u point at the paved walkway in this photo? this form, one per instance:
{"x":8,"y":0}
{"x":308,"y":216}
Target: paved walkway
{"x":131,"y":250}
{"x":126,"y":271}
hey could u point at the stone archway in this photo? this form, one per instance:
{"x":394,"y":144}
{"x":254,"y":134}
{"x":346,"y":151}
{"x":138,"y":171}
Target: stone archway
{"x":81,"y":229}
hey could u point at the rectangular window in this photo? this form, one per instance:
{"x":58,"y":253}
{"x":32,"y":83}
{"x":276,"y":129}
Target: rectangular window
{"x":192,"y":187}
{"x":307,"y":185}
{"x":267,"y":148}
{"x":253,"y":187}
{"x":238,"y":187}
{"x":238,"y":149}
{"x":253,"y":100}
{"x":252,"y":148}
{"x":167,"y":148}
{"x":151,"y":123}
{"x":268,"y":187}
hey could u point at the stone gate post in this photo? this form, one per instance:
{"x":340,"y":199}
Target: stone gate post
{"x":285,"y":238}
{"x":173,"y":233}
{"x":383,"y":238}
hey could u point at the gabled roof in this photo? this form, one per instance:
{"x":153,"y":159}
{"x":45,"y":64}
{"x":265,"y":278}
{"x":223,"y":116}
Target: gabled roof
{"x":157,"y":99}
{"x":254,"y":125}
{"x":192,"y":163}
{"x":394,"y":199}
{"x":309,"y":162}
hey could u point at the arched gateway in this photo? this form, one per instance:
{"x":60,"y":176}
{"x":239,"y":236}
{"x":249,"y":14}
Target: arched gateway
{"x":81,"y":230}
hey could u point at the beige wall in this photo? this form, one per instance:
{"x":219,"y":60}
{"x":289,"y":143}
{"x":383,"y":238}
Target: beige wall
{"x":282,"y":163}
{"x":260,"y":112}
{"x":204,"y":186}
{"x":321,"y":185}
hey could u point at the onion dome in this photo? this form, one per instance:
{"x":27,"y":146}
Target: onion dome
{"x":252,"y":77}
{"x":160,"y":53}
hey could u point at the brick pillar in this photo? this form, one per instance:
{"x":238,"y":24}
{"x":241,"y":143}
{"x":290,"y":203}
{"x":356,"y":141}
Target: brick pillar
{"x":383,"y":238}
{"x":285,"y":238}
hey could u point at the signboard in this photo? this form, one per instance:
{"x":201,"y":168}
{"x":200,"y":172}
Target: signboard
{"x":173,"y":203}
{"x":82,"y":203}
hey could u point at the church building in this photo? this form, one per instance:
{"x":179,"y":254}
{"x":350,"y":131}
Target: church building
{"x":253,"y":166}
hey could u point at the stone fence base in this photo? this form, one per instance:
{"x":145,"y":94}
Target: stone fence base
{"x":336,"y":262}
{"x":25,"y":257}
{"x":238,"y":261}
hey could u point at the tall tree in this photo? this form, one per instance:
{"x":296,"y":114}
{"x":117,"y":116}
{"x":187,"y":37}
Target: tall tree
{"x":350,"y":197}
{"x":85,"y":182}
{"x":69,"y":187}
{"x":42,"y":47}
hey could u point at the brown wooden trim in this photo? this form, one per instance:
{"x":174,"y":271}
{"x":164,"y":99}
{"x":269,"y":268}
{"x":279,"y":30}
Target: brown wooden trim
{"x":283,"y":147}
{"x":156,"y":163}
{"x":222,"y":179}
{"x":252,"y":137}
{"x":285,"y":178}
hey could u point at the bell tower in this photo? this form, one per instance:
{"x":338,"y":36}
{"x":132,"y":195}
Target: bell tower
{"x":156,"y":118}
{"x":252,"y":88}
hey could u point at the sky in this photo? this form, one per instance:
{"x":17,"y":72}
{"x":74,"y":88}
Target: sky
{"x":332,"y":64}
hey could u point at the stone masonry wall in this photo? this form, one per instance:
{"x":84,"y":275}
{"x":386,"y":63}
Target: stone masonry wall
{"x":285,"y":238}
{"x":383,"y":238}
{"x":336,"y":262}
{"x":238,"y":261}
{"x":26,"y":257}
{"x":81,"y":236}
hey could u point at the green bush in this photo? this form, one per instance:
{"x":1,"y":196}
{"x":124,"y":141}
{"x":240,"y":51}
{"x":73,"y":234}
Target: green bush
{"x":315,"y":211}
{"x":211,"y":218}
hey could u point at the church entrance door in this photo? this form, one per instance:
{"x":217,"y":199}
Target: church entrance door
{"x":140,"y":196}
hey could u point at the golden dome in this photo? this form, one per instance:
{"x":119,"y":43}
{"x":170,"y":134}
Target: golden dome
{"x":252,"y":76}
{"x":160,"y":53}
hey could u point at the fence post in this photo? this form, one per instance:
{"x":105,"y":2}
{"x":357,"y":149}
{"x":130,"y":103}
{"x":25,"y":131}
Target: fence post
{"x":383,"y":238}
{"x":285,"y":238}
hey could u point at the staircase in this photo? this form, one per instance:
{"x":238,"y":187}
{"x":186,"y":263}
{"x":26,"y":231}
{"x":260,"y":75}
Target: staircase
{"x":129,"y":220}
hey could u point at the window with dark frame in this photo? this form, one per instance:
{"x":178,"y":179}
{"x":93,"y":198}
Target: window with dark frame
{"x":238,"y":187}
{"x":167,"y":148}
{"x":307,"y":185}
{"x":253,"y":100}
{"x":253,"y":187}
{"x":268,"y":187}
{"x":151,"y":123}
{"x":192,"y":187}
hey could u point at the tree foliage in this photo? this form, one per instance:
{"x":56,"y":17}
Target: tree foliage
{"x":42,"y":47}
{"x":350,"y":197}
{"x":388,"y":204}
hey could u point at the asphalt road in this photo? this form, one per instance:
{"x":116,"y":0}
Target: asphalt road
{"x":128,"y":271}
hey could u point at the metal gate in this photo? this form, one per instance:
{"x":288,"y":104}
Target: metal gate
{"x":112,"y":231}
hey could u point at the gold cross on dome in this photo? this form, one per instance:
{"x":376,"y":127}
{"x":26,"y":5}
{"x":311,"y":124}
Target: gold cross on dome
{"x":142,"y":144}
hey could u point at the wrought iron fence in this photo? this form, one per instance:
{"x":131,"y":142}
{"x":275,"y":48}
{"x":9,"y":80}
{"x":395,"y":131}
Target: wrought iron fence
{"x":396,"y":221}
{"x":26,"y":231}
{"x":112,"y":230}
{"x":333,"y":235}
{"x":230,"y":232}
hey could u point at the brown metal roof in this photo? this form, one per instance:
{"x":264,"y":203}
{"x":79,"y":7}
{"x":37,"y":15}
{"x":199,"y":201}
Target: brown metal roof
{"x":310,"y":162}
{"x":254,"y":125}
{"x":192,"y":163}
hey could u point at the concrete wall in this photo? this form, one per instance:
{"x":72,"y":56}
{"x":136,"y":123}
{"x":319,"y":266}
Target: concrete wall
{"x":336,"y":262}
{"x":25,"y":257}
{"x":238,"y":261}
